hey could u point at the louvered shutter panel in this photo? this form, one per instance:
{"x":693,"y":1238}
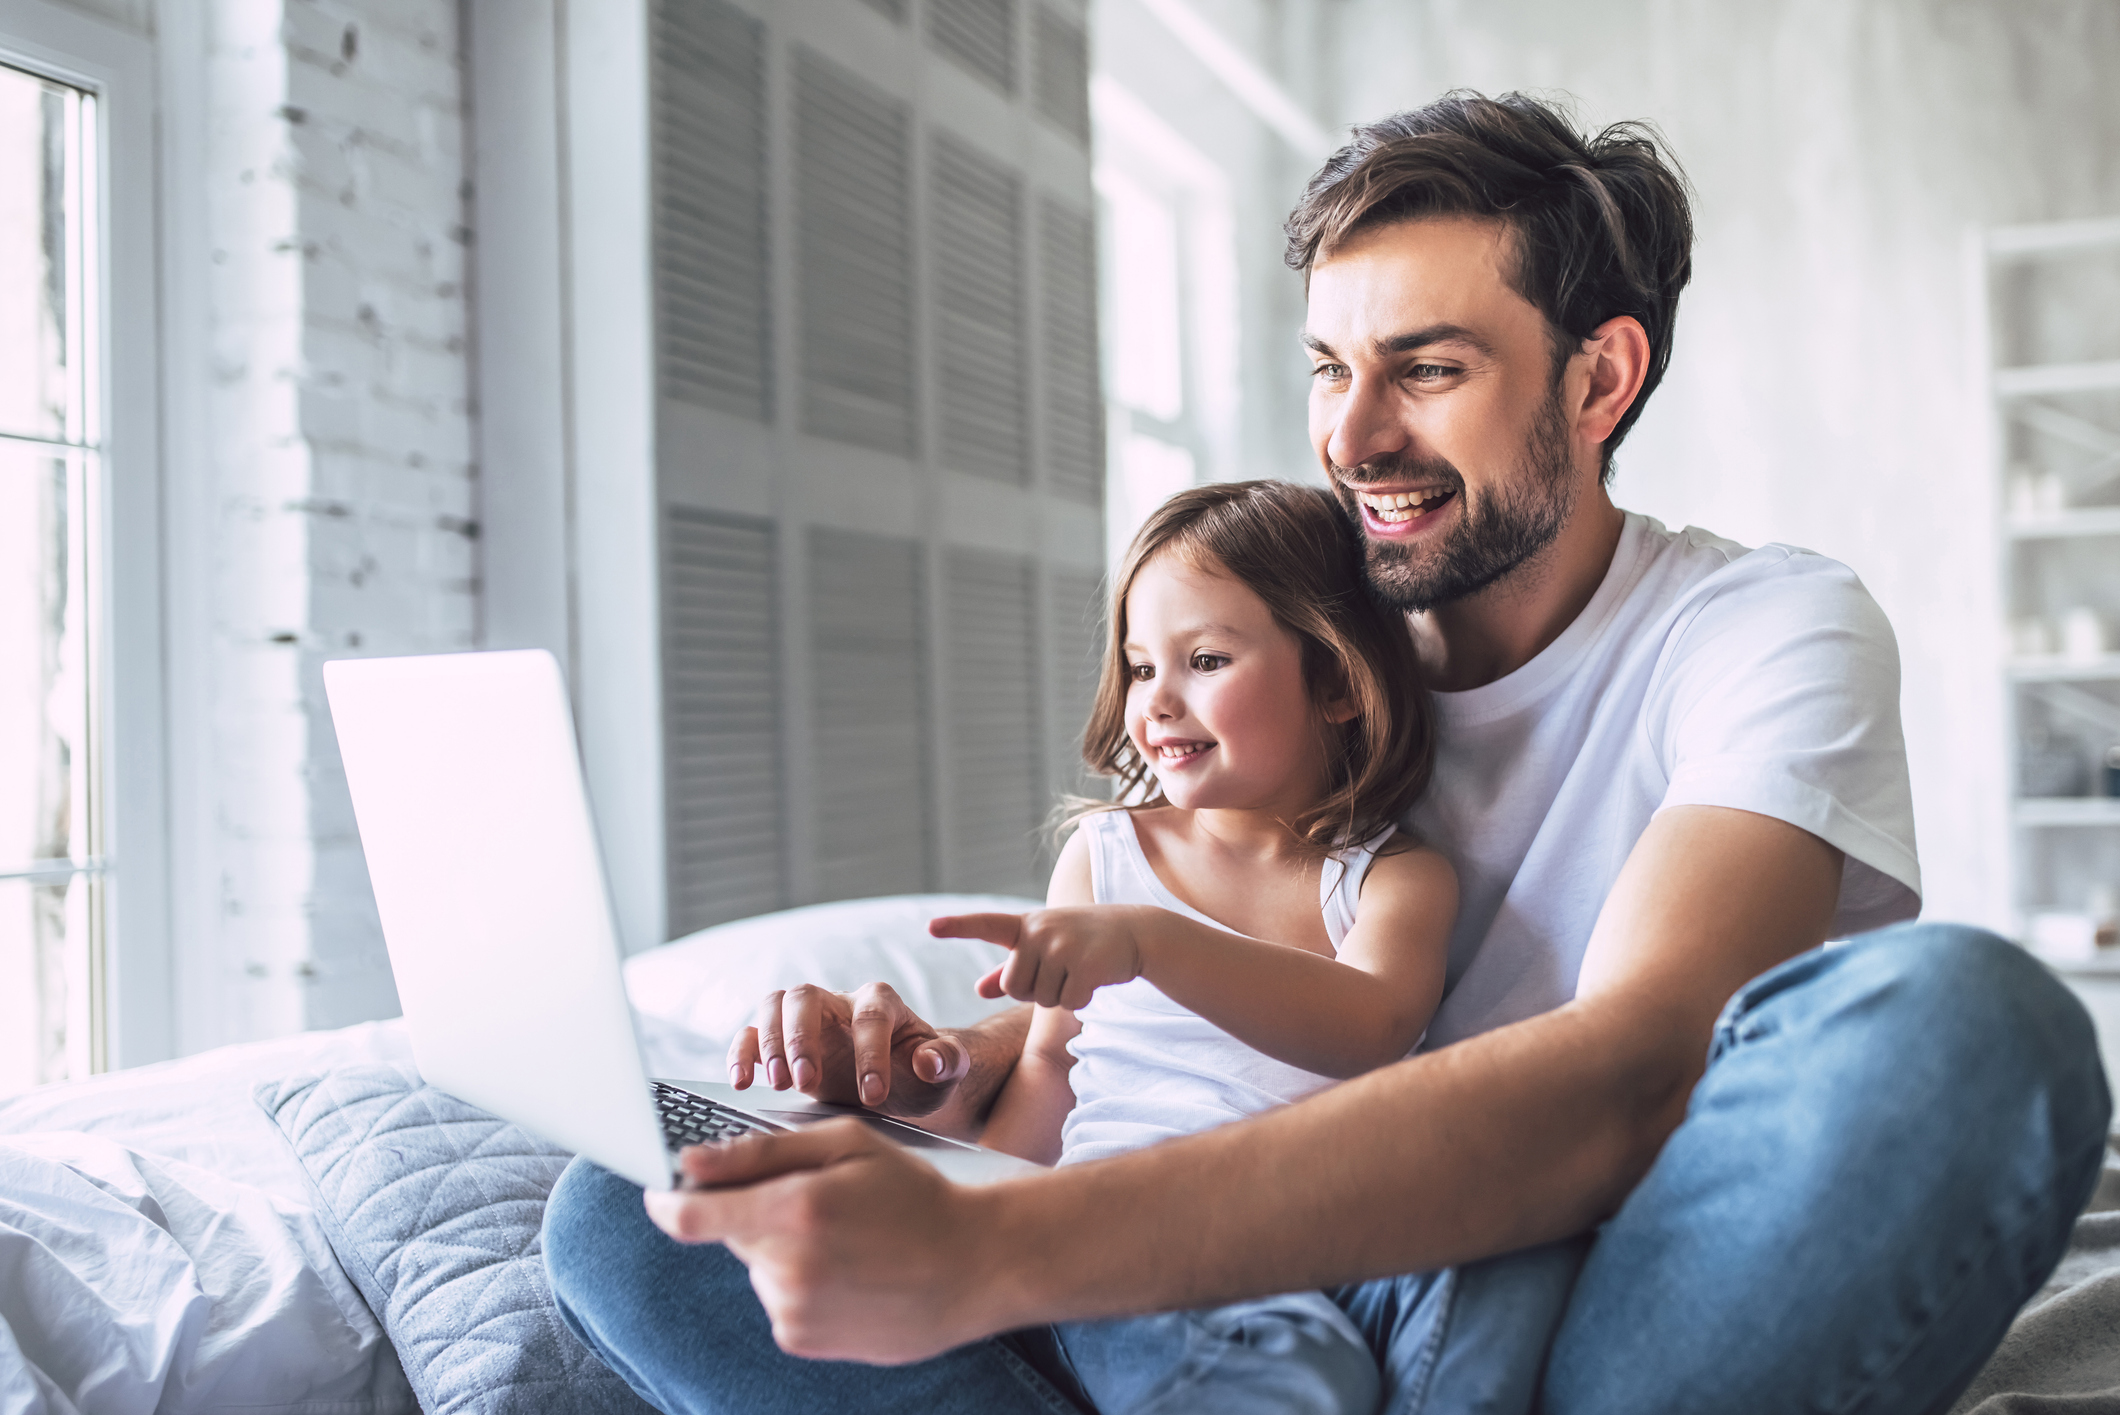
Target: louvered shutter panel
{"x":978,"y":291}
{"x":869,"y":710}
{"x":721,"y":680}
{"x":912,"y":763}
{"x":1061,"y":51}
{"x":979,"y":34}
{"x":854,"y":243}
{"x":713,"y":321}
{"x":1074,"y":406}
{"x":997,"y":791}
{"x":1077,"y":657}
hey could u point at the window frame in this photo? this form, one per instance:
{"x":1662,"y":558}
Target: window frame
{"x":131,"y":1013}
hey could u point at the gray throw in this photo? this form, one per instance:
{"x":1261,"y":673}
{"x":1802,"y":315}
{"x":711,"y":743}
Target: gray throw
{"x":435,"y":1210}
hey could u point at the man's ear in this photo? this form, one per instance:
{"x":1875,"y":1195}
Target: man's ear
{"x":1618,"y":351}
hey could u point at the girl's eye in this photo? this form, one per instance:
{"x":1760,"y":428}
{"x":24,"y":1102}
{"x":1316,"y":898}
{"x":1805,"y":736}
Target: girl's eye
{"x":1209,"y":662}
{"x":1140,"y":672}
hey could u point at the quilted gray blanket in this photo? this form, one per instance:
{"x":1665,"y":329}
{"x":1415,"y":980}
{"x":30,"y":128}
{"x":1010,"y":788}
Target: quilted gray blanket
{"x":434,"y":1209}
{"x":2063,"y":1352}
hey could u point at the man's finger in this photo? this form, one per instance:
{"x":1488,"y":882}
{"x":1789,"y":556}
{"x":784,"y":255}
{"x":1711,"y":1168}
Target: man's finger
{"x":770,"y":1051}
{"x":748,"y":1159}
{"x":802,"y":1016}
{"x":940,"y":1060}
{"x":743,"y":1057}
{"x":878,"y":1010}
{"x":731,"y":1215}
{"x":993,"y":928}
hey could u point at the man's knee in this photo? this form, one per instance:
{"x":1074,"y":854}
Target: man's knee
{"x":1945,"y":1016}
{"x":593,"y":1221}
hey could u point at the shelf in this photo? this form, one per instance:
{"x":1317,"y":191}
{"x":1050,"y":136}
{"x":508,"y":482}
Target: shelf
{"x":2067,"y":811}
{"x":2090,"y":521}
{"x":2055,"y":669}
{"x":2034,"y":380}
{"x":2100,"y":967}
{"x":2049,"y":236}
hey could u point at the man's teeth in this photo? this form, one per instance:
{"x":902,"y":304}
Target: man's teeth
{"x":1392,"y":507}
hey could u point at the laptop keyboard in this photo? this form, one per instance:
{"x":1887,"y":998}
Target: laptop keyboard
{"x":688,"y":1119}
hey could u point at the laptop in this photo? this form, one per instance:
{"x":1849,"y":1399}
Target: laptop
{"x":467,"y":788}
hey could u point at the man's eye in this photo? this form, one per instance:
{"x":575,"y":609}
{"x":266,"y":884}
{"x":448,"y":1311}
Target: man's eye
{"x":1209,"y":662}
{"x":1331,"y":372}
{"x":1429,"y":373}
{"x":1140,"y":672}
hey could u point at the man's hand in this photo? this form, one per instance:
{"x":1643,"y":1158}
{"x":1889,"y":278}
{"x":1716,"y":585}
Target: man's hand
{"x":865,"y":1048}
{"x":857,"y":1251}
{"x":1057,"y":957}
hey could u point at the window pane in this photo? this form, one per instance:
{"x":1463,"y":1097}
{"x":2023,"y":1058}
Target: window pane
{"x":45,"y":995}
{"x":43,"y":700}
{"x":1151,"y":471}
{"x":40,"y":265}
{"x":1145,"y":348}
{"x":44,"y":761}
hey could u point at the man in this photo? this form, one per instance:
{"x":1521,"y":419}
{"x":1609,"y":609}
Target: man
{"x":1668,"y":770}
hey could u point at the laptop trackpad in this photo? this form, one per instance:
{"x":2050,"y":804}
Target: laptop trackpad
{"x":907,"y":1135}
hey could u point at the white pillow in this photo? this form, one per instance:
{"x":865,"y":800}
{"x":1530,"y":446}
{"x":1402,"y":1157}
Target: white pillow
{"x":694,"y":994}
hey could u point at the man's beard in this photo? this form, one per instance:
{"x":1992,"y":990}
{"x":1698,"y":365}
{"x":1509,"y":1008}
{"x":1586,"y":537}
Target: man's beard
{"x":1492,"y":538}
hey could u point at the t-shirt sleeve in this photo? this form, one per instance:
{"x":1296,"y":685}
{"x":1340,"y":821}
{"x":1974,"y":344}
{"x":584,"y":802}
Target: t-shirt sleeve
{"x":1781,"y":697}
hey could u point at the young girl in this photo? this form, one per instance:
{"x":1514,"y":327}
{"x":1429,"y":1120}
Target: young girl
{"x":1251,"y":929}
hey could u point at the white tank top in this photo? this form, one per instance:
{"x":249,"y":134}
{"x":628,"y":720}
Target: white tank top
{"x":1147,"y":1069}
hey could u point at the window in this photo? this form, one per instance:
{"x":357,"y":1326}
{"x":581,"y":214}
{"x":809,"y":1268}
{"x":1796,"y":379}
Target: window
{"x":84,"y":900}
{"x":52,"y":879}
{"x":1170,"y":299}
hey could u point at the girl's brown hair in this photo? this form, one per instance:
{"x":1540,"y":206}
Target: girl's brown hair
{"x":1293,"y":547}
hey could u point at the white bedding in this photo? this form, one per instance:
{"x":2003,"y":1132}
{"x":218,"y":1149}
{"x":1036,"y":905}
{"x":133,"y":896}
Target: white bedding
{"x":159,"y":1249}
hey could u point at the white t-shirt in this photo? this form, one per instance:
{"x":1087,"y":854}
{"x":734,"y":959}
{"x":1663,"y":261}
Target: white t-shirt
{"x":1700,"y":673}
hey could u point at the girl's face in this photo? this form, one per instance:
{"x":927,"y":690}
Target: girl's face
{"x":1216,"y":703}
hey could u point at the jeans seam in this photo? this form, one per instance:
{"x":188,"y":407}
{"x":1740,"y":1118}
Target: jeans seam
{"x":1028,"y":1376}
{"x":1415,"y":1397}
{"x":1870,"y":1390}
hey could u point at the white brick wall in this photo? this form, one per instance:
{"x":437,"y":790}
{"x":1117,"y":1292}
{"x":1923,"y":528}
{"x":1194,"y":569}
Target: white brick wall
{"x":340,"y":429}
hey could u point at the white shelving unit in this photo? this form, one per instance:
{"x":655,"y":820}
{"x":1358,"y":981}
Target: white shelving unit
{"x":2051,"y":294}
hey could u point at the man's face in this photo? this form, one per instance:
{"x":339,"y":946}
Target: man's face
{"x":1434,"y":408}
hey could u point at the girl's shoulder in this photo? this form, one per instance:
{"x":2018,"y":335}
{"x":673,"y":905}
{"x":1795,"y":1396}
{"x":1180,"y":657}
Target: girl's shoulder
{"x":1152,"y":823}
{"x":1405,"y":867}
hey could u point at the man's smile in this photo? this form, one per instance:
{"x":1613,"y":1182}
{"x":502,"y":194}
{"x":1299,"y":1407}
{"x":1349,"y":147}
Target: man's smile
{"x":1396,"y":512}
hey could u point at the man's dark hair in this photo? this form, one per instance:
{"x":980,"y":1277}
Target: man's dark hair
{"x":1601,"y":223}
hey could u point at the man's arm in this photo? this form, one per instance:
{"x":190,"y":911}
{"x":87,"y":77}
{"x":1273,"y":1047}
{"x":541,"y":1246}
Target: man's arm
{"x":1518,"y":1136}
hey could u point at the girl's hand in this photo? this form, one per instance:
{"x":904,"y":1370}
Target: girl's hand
{"x":1057,"y":957}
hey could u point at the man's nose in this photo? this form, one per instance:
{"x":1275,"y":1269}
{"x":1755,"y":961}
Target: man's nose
{"x":1365,"y":425}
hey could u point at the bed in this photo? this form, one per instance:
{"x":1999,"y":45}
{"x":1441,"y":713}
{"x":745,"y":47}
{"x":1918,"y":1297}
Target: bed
{"x":301,"y":1226}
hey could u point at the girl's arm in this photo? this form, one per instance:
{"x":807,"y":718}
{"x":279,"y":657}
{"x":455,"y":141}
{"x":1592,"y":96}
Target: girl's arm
{"x":1336,"y":1017}
{"x":1033,"y":1103}
{"x":1032,"y":1106}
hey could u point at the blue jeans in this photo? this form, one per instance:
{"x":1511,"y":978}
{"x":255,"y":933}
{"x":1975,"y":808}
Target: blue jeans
{"x":1880,"y":1165}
